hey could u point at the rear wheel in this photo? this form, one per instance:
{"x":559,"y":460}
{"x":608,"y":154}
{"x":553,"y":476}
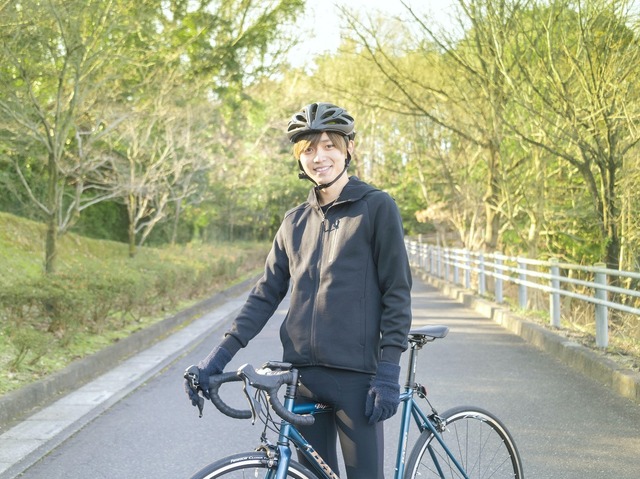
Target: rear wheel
{"x":250,"y":465}
{"x":476,"y":439}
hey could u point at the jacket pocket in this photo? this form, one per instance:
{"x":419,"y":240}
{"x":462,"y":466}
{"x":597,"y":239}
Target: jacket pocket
{"x":340,"y":327}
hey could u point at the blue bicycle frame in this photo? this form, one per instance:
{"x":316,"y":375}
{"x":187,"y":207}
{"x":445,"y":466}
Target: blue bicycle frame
{"x":476,"y":436}
{"x":289,"y":433}
{"x":410,"y":409}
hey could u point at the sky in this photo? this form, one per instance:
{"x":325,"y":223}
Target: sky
{"x":323,"y":20}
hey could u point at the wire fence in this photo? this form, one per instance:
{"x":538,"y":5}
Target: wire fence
{"x":598,"y":294}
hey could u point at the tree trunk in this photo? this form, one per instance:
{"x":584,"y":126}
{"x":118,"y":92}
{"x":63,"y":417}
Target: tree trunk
{"x":176,"y":222}
{"x":610,"y":219}
{"x":491,"y":199}
{"x":51,"y":245}
{"x":51,"y":242}
{"x":132,"y":240}
{"x":132,"y":225}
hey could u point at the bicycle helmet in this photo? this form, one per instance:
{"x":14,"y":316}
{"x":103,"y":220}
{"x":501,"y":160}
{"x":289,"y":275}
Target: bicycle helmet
{"x":319,"y":117}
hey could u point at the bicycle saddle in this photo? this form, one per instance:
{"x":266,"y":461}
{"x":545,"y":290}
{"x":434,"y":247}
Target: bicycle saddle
{"x":428,"y":333}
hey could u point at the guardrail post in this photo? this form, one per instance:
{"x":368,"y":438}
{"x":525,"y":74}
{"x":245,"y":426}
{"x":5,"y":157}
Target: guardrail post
{"x":439,"y":262}
{"x":467,"y":271}
{"x":498,"y":279}
{"x":602,"y":326}
{"x":432,"y":261}
{"x":446,"y":257}
{"x":424,"y":257}
{"x":554,"y":295}
{"x":482,"y":280}
{"x":522,"y":288}
{"x":456,"y":270}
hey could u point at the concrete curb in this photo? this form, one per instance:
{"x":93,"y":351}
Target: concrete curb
{"x":23,"y":402}
{"x":623,"y":381}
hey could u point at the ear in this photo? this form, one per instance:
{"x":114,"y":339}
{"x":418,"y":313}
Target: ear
{"x":350,"y":147}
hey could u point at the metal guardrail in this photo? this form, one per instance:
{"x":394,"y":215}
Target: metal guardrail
{"x":473,"y":269}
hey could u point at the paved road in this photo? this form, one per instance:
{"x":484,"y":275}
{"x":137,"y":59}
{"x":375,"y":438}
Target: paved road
{"x":566,"y":425}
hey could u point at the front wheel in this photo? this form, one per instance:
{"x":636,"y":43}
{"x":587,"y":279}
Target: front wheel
{"x":476,"y":439}
{"x":250,"y":464}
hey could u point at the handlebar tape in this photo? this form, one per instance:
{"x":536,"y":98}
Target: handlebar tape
{"x":270,"y":383}
{"x":215,"y":382}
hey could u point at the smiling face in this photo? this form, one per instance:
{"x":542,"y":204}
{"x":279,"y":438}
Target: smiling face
{"x":323,"y":156}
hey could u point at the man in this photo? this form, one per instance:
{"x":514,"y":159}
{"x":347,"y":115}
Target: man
{"x":342,"y":252}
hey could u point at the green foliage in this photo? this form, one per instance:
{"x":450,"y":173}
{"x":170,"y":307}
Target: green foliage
{"x":132,"y":101}
{"x":105,"y":220}
{"x":525,"y":115}
{"x":13,"y":197}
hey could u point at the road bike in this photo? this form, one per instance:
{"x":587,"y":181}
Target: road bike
{"x":463,"y":442}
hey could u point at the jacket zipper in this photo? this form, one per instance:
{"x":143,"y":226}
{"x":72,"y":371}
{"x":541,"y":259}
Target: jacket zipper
{"x":325,"y":225}
{"x":326,"y":228}
{"x":334,"y":241}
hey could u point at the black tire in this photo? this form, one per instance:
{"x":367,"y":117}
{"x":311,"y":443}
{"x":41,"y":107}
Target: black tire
{"x":478,"y":441}
{"x":250,"y":464}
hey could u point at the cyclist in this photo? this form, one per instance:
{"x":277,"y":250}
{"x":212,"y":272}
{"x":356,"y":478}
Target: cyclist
{"x":342,"y":252}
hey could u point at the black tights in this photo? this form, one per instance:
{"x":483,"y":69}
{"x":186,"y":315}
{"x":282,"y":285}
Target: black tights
{"x":362,"y":444}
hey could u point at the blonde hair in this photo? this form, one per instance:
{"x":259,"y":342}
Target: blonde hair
{"x":312,"y":140}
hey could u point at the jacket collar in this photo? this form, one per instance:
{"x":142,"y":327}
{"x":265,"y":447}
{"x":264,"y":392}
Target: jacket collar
{"x":354,"y":190}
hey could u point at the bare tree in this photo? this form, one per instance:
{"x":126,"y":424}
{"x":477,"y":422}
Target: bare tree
{"x":577,"y":91}
{"x":467,"y":96}
{"x":53,"y":54}
{"x":143,"y":165}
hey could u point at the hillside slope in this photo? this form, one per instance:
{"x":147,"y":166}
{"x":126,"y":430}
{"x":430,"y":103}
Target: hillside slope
{"x":99,"y":294}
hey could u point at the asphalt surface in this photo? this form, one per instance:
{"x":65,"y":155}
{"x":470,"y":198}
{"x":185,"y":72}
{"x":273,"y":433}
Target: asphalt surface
{"x":134,"y":421}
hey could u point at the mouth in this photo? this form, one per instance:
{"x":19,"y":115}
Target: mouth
{"x":321,"y":170}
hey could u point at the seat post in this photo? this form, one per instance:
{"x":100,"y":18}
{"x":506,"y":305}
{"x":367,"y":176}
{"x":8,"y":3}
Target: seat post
{"x":411,"y":366}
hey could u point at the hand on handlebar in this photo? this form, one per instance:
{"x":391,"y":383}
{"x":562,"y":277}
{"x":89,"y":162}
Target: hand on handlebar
{"x":197,"y":377}
{"x":192,"y":386}
{"x":265,"y":380}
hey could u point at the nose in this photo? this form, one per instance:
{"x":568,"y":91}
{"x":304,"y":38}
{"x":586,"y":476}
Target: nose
{"x":320,"y":156}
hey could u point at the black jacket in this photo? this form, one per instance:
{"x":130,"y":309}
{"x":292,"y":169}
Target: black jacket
{"x":350,"y":283}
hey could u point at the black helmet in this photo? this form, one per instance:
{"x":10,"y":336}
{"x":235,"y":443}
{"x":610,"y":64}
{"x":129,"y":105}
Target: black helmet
{"x":319,"y":117}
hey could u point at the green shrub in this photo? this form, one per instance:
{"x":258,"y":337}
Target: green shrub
{"x":25,"y":341}
{"x":49,"y":304}
{"x":171,"y":282}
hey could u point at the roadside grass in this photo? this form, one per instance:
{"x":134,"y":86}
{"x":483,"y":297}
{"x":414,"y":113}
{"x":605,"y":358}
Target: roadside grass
{"x":98,"y":295}
{"x":577,"y":324}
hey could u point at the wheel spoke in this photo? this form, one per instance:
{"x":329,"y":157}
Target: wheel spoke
{"x":478,"y":442}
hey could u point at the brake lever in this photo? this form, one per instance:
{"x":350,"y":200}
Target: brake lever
{"x":192,"y":375}
{"x":253,"y":404}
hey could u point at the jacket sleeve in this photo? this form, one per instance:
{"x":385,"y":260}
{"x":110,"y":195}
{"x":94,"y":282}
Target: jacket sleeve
{"x":264,"y":298}
{"x":394,"y":277}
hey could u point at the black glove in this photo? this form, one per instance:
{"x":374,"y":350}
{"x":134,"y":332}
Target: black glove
{"x":384,"y":394}
{"x":214,"y":363}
